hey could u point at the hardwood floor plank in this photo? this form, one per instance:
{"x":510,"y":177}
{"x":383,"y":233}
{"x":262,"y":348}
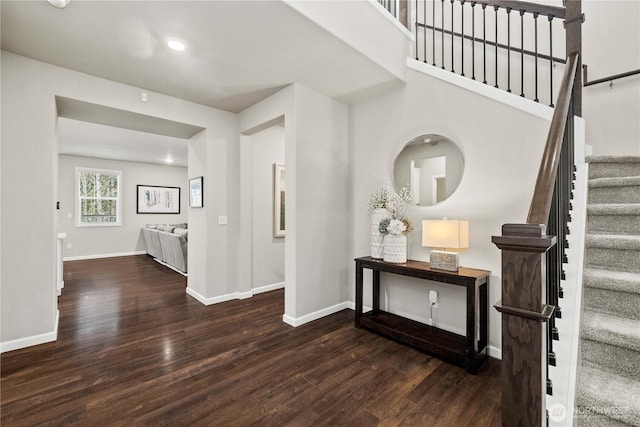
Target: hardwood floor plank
{"x":134,"y":349}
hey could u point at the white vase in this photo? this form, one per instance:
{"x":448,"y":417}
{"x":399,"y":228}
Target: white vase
{"x":376,"y":238}
{"x":395,"y":248}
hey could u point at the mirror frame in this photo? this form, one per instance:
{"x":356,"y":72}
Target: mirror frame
{"x":430,"y":142}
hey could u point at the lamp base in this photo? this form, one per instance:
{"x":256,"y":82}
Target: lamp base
{"x":442,"y":260}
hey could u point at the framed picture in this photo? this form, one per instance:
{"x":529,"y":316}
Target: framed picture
{"x":278,"y":200}
{"x":154,"y":199}
{"x":195,"y":192}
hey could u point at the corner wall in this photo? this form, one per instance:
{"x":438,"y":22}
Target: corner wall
{"x":500,"y":166}
{"x":317,"y":207}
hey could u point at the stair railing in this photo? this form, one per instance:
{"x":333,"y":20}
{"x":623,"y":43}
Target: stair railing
{"x":519,"y":62}
{"x":532,"y":257}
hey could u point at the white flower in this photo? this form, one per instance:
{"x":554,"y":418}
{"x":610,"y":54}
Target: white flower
{"x":385,"y":197}
{"x":396,"y":227}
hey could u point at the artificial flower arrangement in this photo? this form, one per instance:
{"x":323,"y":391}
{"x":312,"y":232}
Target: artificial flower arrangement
{"x":403,"y":225}
{"x":385,"y":198}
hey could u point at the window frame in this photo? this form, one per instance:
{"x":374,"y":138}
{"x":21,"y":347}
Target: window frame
{"x":78,"y":221}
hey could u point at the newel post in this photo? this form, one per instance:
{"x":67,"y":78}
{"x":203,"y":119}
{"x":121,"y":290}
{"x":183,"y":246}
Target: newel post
{"x":573,"y":42}
{"x":524,"y":313}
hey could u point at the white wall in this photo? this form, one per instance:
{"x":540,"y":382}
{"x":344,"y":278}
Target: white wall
{"x":500,"y":166}
{"x":267,"y":148}
{"x":124,"y":239}
{"x":29,"y":160}
{"x":316,"y":141}
{"x":611,"y":45}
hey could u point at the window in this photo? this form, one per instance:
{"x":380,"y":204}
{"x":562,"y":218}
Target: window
{"x":98,"y":201}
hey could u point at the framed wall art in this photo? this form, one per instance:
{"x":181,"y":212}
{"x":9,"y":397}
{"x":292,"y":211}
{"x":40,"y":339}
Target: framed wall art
{"x":195,"y":192}
{"x":278,"y":200}
{"x":154,"y":199}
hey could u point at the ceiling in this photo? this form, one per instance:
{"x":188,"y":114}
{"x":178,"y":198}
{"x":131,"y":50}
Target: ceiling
{"x":239,"y":52}
{"x":79,"y":138}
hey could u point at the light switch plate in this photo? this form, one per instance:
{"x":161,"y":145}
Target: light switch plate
{"x":222,"y":220}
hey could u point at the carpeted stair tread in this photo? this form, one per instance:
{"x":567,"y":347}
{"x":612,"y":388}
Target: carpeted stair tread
{"x":613,"y":241}
{"x":612,"y":330}
{"x":620,"y":281}
{"x":621,"y":181}
{"x":613,"y":159}
{"x":611,"y":166}
{"x":613,"y":209}
{"x":596,"y":420}
{"x":609,"y":394}
{"x":610,"y":358}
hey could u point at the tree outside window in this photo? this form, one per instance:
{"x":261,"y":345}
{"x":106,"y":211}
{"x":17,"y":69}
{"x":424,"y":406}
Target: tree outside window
{"x":98,"y":201}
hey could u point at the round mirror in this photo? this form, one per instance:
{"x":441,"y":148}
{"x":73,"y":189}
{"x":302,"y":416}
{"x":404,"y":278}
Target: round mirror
{"x":431,"y":167}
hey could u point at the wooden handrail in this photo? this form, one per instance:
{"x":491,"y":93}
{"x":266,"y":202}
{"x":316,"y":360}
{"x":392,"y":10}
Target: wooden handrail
{"x":543,"y":192}
{"x":606,"y":79}
{"x":528,"y":7}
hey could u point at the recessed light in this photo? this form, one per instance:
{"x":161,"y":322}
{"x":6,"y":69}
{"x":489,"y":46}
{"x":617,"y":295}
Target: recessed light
{"x":176,"y":44}
{"x":60,"y":4}
{"x":168,"y":160}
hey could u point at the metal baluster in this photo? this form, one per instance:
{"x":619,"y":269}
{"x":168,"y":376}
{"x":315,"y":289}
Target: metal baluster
{"x":462,"y":38}
{"x":535,"y":23}
{"x":550,"y":60}
{"x":452,"y":36}
{"x":522,"y":53}
{"x":433,"y":34}
{"x":473,"y":40}
{"x":442,"y":31}
{"x":424,"y":30}
{"x":424,"y":34}
{"x":495,"y":8}
{"x":509,"y":49}
{"x":484,"y":43}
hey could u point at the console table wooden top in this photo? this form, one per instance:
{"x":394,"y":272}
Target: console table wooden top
{"x":423,"y":270}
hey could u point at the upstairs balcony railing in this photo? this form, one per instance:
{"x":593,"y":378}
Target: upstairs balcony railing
{"x":511,"y":45}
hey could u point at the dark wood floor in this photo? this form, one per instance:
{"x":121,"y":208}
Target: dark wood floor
{"x":134,"y":349}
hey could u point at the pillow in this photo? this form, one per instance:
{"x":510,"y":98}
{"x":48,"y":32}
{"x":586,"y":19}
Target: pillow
{"x":168,"y":228}
{"x":152,"y":226}
{"x":181,"y":232}
{"x":181,"y":225}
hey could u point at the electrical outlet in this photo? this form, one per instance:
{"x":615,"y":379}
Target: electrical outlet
{"x":433,"y":298}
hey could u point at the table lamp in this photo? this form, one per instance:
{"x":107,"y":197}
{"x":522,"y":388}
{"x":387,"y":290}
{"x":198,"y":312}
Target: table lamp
{"x":445,"y":234}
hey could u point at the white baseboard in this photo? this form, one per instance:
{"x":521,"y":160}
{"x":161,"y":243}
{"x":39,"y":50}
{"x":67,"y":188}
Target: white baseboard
{"x":213,"y":300}
{"x":244,"y":295}
{"x":32,"y":340}
{"x":267,"y":288}
{"x":235,"y":295}
{"x":98,"y":256}
{"x":495,"y":352}
{"x":297,"y":321}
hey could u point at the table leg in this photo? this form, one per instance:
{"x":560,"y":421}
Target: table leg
{"x":484,"y":308}
{"x":376,"y":291}
{"x":471,"y":327}
{"x":359,"y":291}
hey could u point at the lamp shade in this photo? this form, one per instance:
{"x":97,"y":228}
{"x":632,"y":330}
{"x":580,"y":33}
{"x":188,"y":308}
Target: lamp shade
{"x":448,"y":234}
